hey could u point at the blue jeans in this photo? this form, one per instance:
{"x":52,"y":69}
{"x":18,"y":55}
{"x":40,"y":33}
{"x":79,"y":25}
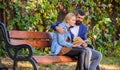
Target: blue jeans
{"x":88,"y":54}
{"x":95,"y":59}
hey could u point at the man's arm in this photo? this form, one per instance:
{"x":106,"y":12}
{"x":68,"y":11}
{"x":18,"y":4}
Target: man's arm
{"x":54,"y":25}
{"x":83,"y":34}
{"x":58,"y":28}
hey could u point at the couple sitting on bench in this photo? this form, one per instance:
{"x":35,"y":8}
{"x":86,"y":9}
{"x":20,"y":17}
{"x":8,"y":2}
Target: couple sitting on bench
{"x":70,"y":39}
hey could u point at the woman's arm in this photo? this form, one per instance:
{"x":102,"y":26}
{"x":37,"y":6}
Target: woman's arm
{"x":62,"y":40}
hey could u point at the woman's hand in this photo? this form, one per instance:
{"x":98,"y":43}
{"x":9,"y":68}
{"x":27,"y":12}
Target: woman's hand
{"x":76,"y":45}
{"x":78,"y":40}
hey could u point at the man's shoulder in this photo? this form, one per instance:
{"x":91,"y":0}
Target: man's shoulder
{"x":83,"y":25}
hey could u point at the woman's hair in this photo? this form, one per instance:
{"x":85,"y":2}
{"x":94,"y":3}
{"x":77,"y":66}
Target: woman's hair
{"x":68,"y":17}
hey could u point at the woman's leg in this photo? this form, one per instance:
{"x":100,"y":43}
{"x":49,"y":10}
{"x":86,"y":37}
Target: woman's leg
{"x":80,"y":54}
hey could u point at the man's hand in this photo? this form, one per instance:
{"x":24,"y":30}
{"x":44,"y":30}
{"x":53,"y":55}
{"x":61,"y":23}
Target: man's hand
{"x":60,"y":29}
{"x":84,"y":45}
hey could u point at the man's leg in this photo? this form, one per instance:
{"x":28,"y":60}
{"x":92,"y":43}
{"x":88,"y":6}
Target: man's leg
{"x":88,"y":54}
{"x":96,"y":58}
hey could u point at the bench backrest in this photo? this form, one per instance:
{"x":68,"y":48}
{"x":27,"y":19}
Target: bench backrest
{"x":36,"y":39}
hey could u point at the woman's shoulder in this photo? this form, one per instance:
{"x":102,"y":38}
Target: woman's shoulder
{"x":64,"y":25}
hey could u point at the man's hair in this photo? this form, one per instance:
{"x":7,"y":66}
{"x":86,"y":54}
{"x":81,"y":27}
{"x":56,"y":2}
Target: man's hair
{"x":81,"y":12}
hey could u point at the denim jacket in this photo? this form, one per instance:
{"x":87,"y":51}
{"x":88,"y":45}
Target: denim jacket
{"x":59,"y":40}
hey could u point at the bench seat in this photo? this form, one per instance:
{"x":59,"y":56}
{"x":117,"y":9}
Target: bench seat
{"x":52,"y":59}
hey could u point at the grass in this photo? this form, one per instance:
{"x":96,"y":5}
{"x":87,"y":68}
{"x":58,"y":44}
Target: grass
{"x":111,"y":61}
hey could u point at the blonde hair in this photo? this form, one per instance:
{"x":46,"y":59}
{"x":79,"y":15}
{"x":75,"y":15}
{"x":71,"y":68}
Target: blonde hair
{"x":68,"y":17}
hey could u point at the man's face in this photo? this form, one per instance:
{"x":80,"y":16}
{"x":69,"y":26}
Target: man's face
{"x":79,"y":19}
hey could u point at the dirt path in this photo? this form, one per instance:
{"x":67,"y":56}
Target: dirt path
{"x":67,"y":66}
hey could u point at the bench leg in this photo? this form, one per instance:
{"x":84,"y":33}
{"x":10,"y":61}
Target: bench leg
{"x":34,"y":64}
{"x":31,"y":60}
{"x":15,"y":65}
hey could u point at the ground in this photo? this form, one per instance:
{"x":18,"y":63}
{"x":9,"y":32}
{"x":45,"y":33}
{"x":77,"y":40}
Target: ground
{"x":7,"y":62}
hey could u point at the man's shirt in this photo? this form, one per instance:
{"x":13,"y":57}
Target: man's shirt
{"x":75,"y":31}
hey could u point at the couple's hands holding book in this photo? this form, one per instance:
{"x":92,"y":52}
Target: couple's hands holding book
{"x":77,"y":41}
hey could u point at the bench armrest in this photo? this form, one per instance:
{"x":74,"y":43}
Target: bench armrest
{"x":20,"y":48}
{"x":91,"y":46}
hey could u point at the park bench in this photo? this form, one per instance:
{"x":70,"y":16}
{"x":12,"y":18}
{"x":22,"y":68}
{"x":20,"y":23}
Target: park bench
{"x":18,"y":40}
{"x":37,"y":40}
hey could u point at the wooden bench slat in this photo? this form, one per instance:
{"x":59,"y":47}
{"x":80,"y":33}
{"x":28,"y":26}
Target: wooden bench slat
{"x":34,"y":43}
{"x":29,"y":34}
{"x":52,"y":59}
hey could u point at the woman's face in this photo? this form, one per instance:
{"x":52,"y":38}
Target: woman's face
{"x":72,"y":21}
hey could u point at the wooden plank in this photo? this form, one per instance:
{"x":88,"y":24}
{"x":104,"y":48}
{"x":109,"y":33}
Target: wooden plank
{"x":34,"y":43}
{"x":52,"y":59}
{"x":29,"y":34}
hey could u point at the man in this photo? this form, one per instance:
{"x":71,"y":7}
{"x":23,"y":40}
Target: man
{"x":81,"y":30}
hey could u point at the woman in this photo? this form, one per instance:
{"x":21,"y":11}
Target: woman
{"x":61,"y":41}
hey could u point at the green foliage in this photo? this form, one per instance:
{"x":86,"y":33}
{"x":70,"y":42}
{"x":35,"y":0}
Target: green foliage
{"x":2,"y":45}
{"x":30,"y":15}
{"x":44,"y":51}
{"x":2,"y":49}
{"x":37,"y":15}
